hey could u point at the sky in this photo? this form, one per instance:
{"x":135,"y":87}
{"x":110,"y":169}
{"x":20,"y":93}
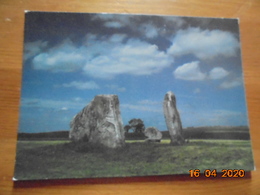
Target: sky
{"x":69,"y":58}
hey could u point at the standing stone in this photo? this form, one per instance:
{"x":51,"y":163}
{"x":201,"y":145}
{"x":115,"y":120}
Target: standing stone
{"x":99,"y":123}
{"x":152,"y":134}
{"x":172,"y":119}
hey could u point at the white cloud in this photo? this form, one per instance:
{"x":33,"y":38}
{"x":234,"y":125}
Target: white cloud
{"x":82,"y":85}
{"x":149,"y":102}
{"x":189,"y":71}
{"x":232,"y":83}
{"x":144,"y":26}
{"x":175,"y":21}
{"x":141,"y":108}
{"x":116,"y":87}
{"x":135,"y":57}
{"x":104,"y":57}
{"x":33,"y":48}
{"x":117,"y":38}
{"x":149,"y":30}
{"x":204,"y":44}
{"x":57,"y":105}
{"x":113,"y":20}
{"x":145,"y":105}
{"x":197,"y":90}
{"x":218,"y":73}
{"x":225,"y":117}
{"x":113,"y":24}
{"x":103,"y":17}
{"x":62,"y":58}
{"x":66,"y":57}
{"x":77,"y":99}
{"x":218,"y":117}
{"x":226,"y":113}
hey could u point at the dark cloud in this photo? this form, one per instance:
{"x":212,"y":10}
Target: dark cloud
{"x":224,"y":24}
{"x":54,"y":27}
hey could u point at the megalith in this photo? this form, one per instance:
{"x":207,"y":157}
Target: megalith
{"x":99,"y":123}
{"x":152,"y":134}
{"x":172,"y":119}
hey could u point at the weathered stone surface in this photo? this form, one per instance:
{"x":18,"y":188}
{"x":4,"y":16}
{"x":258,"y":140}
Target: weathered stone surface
{"x":152,"y":134}
{"x":99,"y":122}
{"x":172,"y":118}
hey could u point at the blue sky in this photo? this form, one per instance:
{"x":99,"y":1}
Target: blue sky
{"x":71,"y":57}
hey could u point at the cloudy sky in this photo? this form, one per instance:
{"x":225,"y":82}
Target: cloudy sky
{"x":71,"y":57}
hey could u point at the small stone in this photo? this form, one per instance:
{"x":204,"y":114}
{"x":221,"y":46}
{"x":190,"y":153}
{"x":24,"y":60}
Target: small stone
{"x":152,"y":134}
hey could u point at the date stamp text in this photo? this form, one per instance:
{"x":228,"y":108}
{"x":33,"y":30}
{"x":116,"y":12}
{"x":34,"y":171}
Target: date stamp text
{"x":228,"y":173}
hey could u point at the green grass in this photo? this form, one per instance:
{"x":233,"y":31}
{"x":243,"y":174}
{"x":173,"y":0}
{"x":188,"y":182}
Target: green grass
{"x":63,"y":159}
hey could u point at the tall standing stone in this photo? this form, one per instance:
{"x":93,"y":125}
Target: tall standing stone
{"x":99,"y":123}
{"x":172,"y":118}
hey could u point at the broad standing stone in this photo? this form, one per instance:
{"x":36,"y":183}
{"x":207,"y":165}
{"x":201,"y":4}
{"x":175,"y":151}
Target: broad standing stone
{"x":99,"y":122}
{"x":153,"y":134}
{"x":172,"y":119}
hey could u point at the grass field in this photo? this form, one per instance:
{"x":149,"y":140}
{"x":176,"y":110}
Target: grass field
{"x":63,"y":159}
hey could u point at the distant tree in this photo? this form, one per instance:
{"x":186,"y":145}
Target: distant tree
{"x":137,"y":125}
{"x":127,"y":128}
